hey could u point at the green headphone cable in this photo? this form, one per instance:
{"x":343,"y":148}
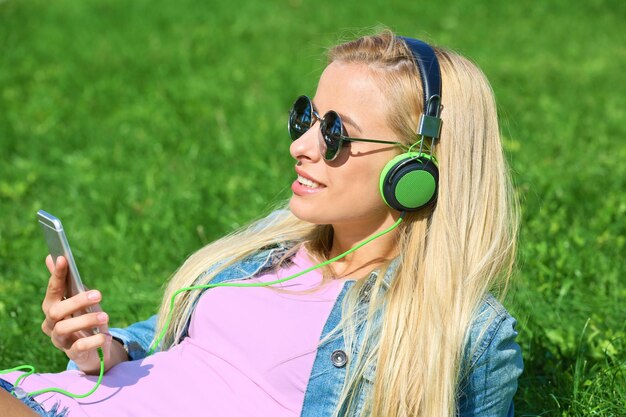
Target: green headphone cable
{"x":20,"y":393}
{"x":157,"y":341}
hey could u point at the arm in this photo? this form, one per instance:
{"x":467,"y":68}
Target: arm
{"x":490,"y":383}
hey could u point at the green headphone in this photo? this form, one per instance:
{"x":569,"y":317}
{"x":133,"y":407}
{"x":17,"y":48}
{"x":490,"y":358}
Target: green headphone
{"x":409,"y":181}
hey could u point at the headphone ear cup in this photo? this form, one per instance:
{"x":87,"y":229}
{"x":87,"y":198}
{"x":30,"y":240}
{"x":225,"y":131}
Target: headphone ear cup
{"x":409,"y":181}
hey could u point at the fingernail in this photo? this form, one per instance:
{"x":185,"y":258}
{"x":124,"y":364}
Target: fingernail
{"x":93,"y":295}
{"x":102,"y":317}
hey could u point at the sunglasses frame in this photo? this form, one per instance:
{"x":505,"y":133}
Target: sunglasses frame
{"x":324,"y":133}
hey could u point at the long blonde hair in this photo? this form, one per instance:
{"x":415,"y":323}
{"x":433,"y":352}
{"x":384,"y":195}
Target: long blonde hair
{"x":453,"y":253}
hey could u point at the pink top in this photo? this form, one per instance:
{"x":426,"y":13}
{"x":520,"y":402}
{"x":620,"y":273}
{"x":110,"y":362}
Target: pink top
{"x":250,"y":352}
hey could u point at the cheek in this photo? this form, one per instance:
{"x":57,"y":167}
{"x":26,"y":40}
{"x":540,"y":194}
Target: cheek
{"x":352,"y":193}
{"x":358,"y":188}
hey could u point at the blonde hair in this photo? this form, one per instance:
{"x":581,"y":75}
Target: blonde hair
{"x":453,"y":253}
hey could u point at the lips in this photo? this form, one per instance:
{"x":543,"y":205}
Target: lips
{"x":308,"y":180}
{"x":305,"y":185}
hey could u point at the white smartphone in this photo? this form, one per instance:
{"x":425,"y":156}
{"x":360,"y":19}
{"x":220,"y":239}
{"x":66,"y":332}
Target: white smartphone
{"x":59,"y":246}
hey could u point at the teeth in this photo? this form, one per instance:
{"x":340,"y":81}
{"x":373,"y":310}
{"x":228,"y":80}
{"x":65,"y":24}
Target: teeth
{"x":308,"y":182}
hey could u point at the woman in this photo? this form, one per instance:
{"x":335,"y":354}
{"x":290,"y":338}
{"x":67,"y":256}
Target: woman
{"x":403,"y":326}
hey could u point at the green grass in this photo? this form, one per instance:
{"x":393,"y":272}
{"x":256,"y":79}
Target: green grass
{"x":151,"y":128}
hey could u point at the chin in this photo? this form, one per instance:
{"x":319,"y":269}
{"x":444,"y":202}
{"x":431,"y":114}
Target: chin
{"x":323,"y":214}
{"x":307,"y":212}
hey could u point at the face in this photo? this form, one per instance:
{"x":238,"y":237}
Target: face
{"x":344,"y":190}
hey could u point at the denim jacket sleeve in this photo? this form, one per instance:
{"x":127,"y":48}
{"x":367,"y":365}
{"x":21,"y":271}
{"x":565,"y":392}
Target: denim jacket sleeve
{"x":492,"y":364}
{"x":136,"y":338}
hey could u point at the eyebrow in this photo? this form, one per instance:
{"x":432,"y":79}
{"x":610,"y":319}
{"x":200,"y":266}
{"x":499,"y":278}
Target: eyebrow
{"x":349,"y":121}
{"x":345,"y":118}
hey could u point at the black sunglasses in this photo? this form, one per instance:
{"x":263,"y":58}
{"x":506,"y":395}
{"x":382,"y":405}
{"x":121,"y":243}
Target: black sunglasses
{"x":302,"y":116}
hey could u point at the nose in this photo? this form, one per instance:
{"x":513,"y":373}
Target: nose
{"x":306,"y":147}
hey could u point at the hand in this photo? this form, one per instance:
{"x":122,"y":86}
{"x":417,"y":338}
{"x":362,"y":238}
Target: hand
{"x":73,"y":335}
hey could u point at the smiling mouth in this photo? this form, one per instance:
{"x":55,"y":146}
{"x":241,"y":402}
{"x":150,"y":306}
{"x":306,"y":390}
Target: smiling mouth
{"x":308,"y":183}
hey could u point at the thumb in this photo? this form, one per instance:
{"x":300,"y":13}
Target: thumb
{"x":56,"y":284}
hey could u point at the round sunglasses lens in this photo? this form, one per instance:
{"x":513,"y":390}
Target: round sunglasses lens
{"x":332,"y":132}
{"x":299,"y":117}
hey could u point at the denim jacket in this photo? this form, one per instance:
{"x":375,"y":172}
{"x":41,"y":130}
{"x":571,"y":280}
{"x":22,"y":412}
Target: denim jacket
{"x":493,"y":356}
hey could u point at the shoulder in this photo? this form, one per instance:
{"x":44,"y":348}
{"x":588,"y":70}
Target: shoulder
{"x":490,"y":323}
{"x":248,"y":266}
{"x":492,"y":362}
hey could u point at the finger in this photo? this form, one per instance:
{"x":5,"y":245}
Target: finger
{"x":82,"y":347}
{"x":56,"y":283}
{"x":84,"y":324}
{"x":45,"y":327}
{"x":63,"y":343}
{"x":59,"y":310}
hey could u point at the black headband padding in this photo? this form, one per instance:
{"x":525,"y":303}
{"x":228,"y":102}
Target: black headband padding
{"x":428,"y":66}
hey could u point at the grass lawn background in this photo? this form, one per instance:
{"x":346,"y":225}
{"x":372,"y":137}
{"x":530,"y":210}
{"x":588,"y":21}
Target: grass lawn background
{"x":153,"y":127}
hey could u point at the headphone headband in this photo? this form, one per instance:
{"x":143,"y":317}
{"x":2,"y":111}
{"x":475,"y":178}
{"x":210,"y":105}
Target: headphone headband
{"x":428,"y":68}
